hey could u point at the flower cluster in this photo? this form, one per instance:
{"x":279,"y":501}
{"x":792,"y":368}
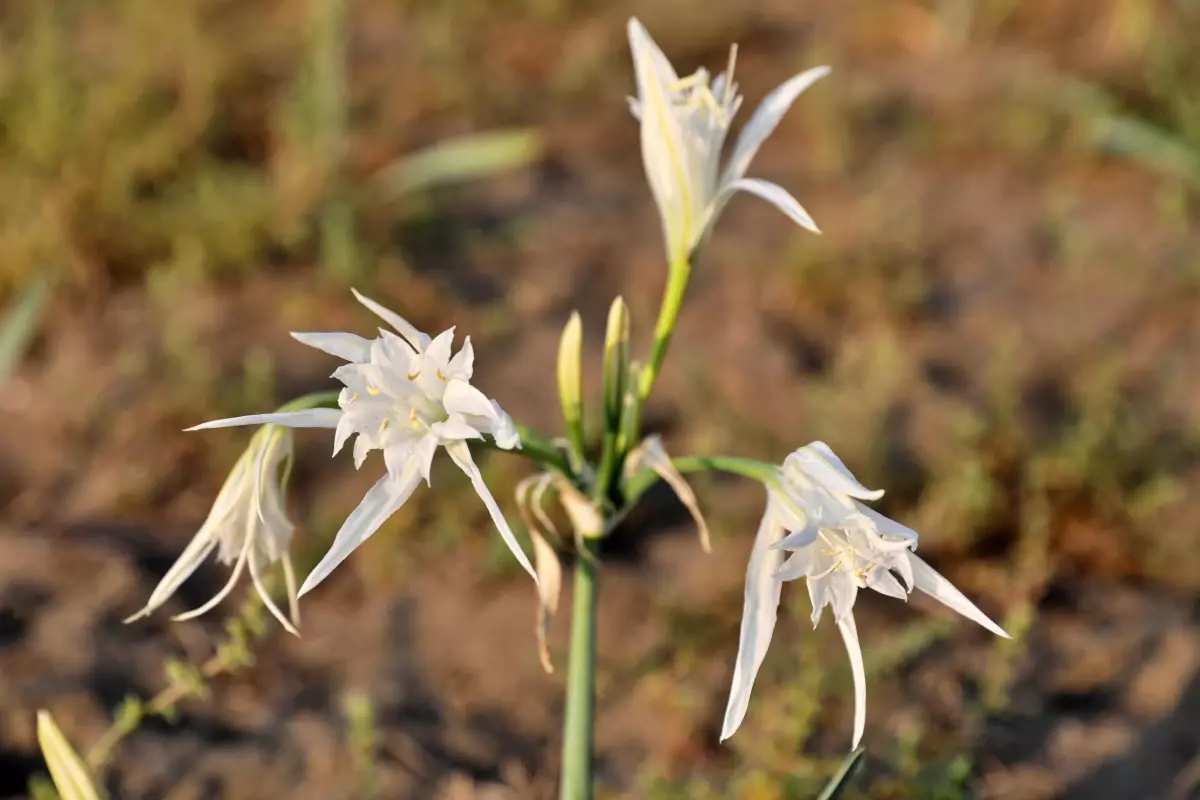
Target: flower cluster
{"x":816,"y":527}
{"x":405,"y":394}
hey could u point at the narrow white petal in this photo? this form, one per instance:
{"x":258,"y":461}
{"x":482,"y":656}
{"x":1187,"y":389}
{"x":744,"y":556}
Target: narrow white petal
{"x":362,"y":448}
{"x":819,"y":463}
{"x":850,"y":637}
{"x":887,"y":526}
{"x":265,"y":596}
{"x":928,"y":580}
{"x":225,"y":590}
{"x":505,"y":430}
{"x":380,"y":502}
{"x":346,"y":346}
{"x":345,"y":428}
{"x":463,"y":398}
{"x":188,"y":562}
{"x":884,"y":582}
{"x":462,"y":366}
{"x":307,"y":418}
{"x":759,"y":612}
{"x":455,"y":427}
{"x":438,"y":350}
{"x":462,"y":457}
{"x":798,"y":539}
{"x":774,"y":194}
{"x":415,"y":338}
{"x":762,"y":123}
{"x":663,"y":148}
{"x":798,"y":565}
{"x":289,"y":583}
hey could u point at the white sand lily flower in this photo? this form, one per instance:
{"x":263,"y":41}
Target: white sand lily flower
{"x":247,"y":526}
{"x":840,"y":546}
{"x":684,"y":122}
{"x":407,"y":396}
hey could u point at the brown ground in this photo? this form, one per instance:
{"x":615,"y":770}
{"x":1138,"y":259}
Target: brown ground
{"x":999,"y":325}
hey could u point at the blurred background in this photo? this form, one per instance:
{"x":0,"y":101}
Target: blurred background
{"x":1000,"y":325}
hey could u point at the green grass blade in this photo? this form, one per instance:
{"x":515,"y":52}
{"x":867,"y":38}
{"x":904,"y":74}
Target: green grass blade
{"x":462,"y":159}
{"x":19,"y":322}
{"x":841,"y":779}
{"x":1151,"y":146}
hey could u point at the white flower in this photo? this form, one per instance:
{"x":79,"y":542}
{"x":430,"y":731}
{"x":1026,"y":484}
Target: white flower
{"x":405,"y":395}
{"x":840,"y":546}
{"x":247,"y":526}
{"x":683,"y":127}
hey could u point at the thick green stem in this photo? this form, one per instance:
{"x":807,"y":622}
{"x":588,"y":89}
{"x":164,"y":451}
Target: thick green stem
{"x":668,"y":315}
{"x":578,"y":727}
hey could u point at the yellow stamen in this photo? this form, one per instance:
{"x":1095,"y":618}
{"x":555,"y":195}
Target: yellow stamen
{"x":383,"y":425}
{"x":414,"y":375}
{"x":371,"y":390}
{"x":441,"y":377}
{"x":353,"y":397}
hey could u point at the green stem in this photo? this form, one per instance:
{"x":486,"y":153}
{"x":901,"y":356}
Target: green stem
{"x":767,"y":474}
{"x":668,"y":315}
{"x":578,"y":727}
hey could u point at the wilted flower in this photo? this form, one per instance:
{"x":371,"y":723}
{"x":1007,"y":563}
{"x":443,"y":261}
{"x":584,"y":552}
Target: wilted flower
{"x":405,"y":395}
{"x":840,"y":546}
{"x":684,"y":122}
{"x":247,"y":526}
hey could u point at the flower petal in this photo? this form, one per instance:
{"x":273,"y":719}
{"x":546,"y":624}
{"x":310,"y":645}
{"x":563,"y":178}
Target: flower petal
{"x":462,"y":456}
{"x":663,"y":148}
{"x":762,"y":123}
{"x":849,"y":633}
{"x":455,"y":427}
{"x":928,"y":580}
{"x":347,"y":346}
{"x":265,"y":596}
{"x":758,"y":620}
{"x":798,"y":539}
{"x":307,"y":418}
{"x":818,"y":462}
{"x":438,"y":350}
{"x":226,"y":589}
{"x":463,"y":398}
{"x":888,"y":527}
{"x":883,"y":581}
{"x":418,"y":340}
{"x":505,"y":430}
{"x":798,"y":565}
{"x":462,"y":366}
{"x":774,"y":194}
{"x":380,"y":502}
{"x":188,"y":562}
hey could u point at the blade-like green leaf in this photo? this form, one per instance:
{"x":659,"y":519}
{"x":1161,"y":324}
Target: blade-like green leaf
{"x":461,"y":159}
{"x":71,"y":776}
{"x":1150,"y":145}
{"x":841,"y":778}
{"x":19,"y":321}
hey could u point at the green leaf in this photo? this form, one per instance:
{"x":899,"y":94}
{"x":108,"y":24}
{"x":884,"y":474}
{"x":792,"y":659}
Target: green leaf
{"x":461,"y":159}
{"x":841,"y":778}
{"x":1150,"y":145}
{"x":20,"y":321}
{"x":71,"y":776}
